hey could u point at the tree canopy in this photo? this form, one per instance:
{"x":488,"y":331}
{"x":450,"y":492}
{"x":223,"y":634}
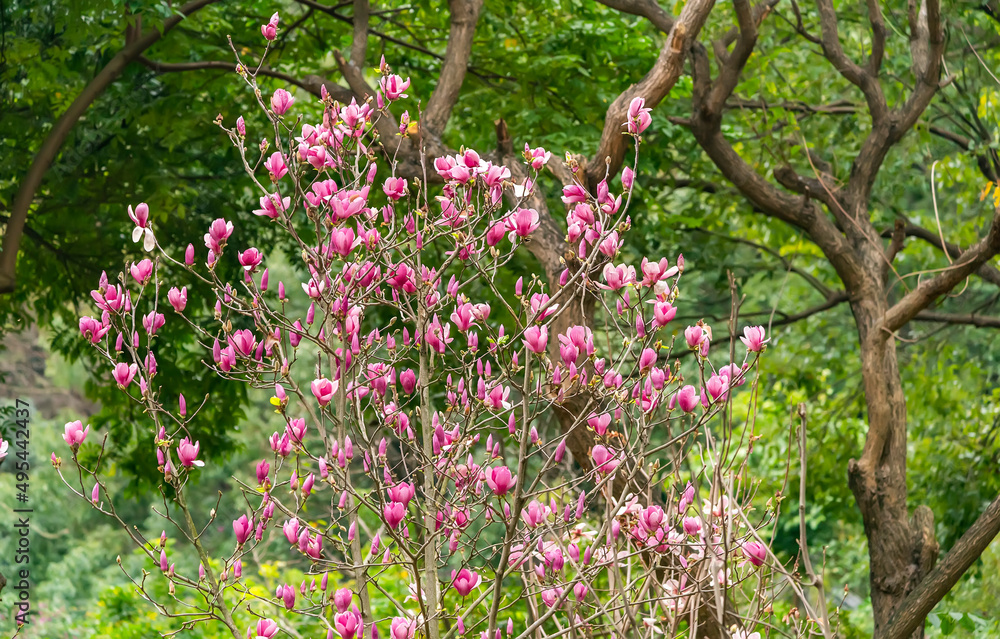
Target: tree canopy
{"x":837,"y":158}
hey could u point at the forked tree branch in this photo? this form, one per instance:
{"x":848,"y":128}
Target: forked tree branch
{"x":911,"y":612}
{"x":926,"y":292}
{"x":986,"y":272}
{"x":137,"y":44}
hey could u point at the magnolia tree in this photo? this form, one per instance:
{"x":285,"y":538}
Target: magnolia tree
{"x":417,"y":395}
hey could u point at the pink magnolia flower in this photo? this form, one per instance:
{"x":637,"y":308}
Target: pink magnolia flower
{"x":495,"y":234}
{"x":402,"y":628}
{"x":618,"y":277}
{"x":287,"y":594}
{"x":663,"y":313}
{"x":500,"y":480}
{"x":140,"y":216}
{"x":536,"y":338}
{"x":291,"y":530}
{"x":281,"y":101}
{"x":270,"y":30}
{"x":75,"y":433}
{"x":178,"y":298}
{"x":755,"y":552}
{"x":124,"y":373}
{"x":93,"y":329}
{"x":276,"y":166}
{"x":153,"y":321}
{"x":402,"y":493}
{"x":241,"y":126}
{"x":497,"y":398}
{"x":574,"y":193}
{"x":537,"y":157}
{"x":692,"y":525}
{"x":242,"y":527}
{"x":342,"y":599}
{"x":393,"y":513}
{"x":112,"y":299}
{"x":465,"y":581}
{"x":535,"y":513}
{"x":522,"y":223}
{"x":218,"y":234}
{"x":346,"y":624}
{"x":250,"y":259}
{"x":551,"y":595}
{"x":605,"y":461}
{"x":272,"y":206}
{"x":265,"y":629}
{"x":753,"y":338}
{"x":717,"y":387}
{"x":355,"y":116}
{"x":394,"y":188}
{"x":438,"y":335}
{"x":141,"y":271}
{"x":647,"y":359}
{"x":408,"y":379}
{"x":688,"y":398}
{"x":628,"y":178}
{"x":243,"y":342}
{"x":394,"y":87}
{"x":694,"y":335}
{"x":188,"y":453}
{"x":323,"y":390}
{"x":653,"y":272}
{"x":638,"y":116}
{"x":142,"y":231}
{"x":600,"y":423}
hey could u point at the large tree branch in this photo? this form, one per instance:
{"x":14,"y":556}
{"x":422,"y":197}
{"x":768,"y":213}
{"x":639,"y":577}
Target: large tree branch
{"x":653,"y":88}
{"x":926,"y":292}
{"x":61,"y":130}
{"x":464,"y":16}
{"x":986,"y":272}
{"x":708,"y":101}
{"x":359,"y":44}
{"x":911,"y":612}
{"x":852,"y":71}
{"x":649,"y":9}
{"x":971,"y":319}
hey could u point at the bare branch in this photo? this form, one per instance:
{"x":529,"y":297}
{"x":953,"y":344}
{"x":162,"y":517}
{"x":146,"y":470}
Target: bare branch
{"x":310,"y":83}
{"x":60,"y":131}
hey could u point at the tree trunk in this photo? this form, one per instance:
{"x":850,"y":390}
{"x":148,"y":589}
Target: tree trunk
{"x":901,"y":549}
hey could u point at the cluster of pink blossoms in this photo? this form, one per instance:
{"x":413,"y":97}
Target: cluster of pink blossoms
{"x":418,"y":391}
